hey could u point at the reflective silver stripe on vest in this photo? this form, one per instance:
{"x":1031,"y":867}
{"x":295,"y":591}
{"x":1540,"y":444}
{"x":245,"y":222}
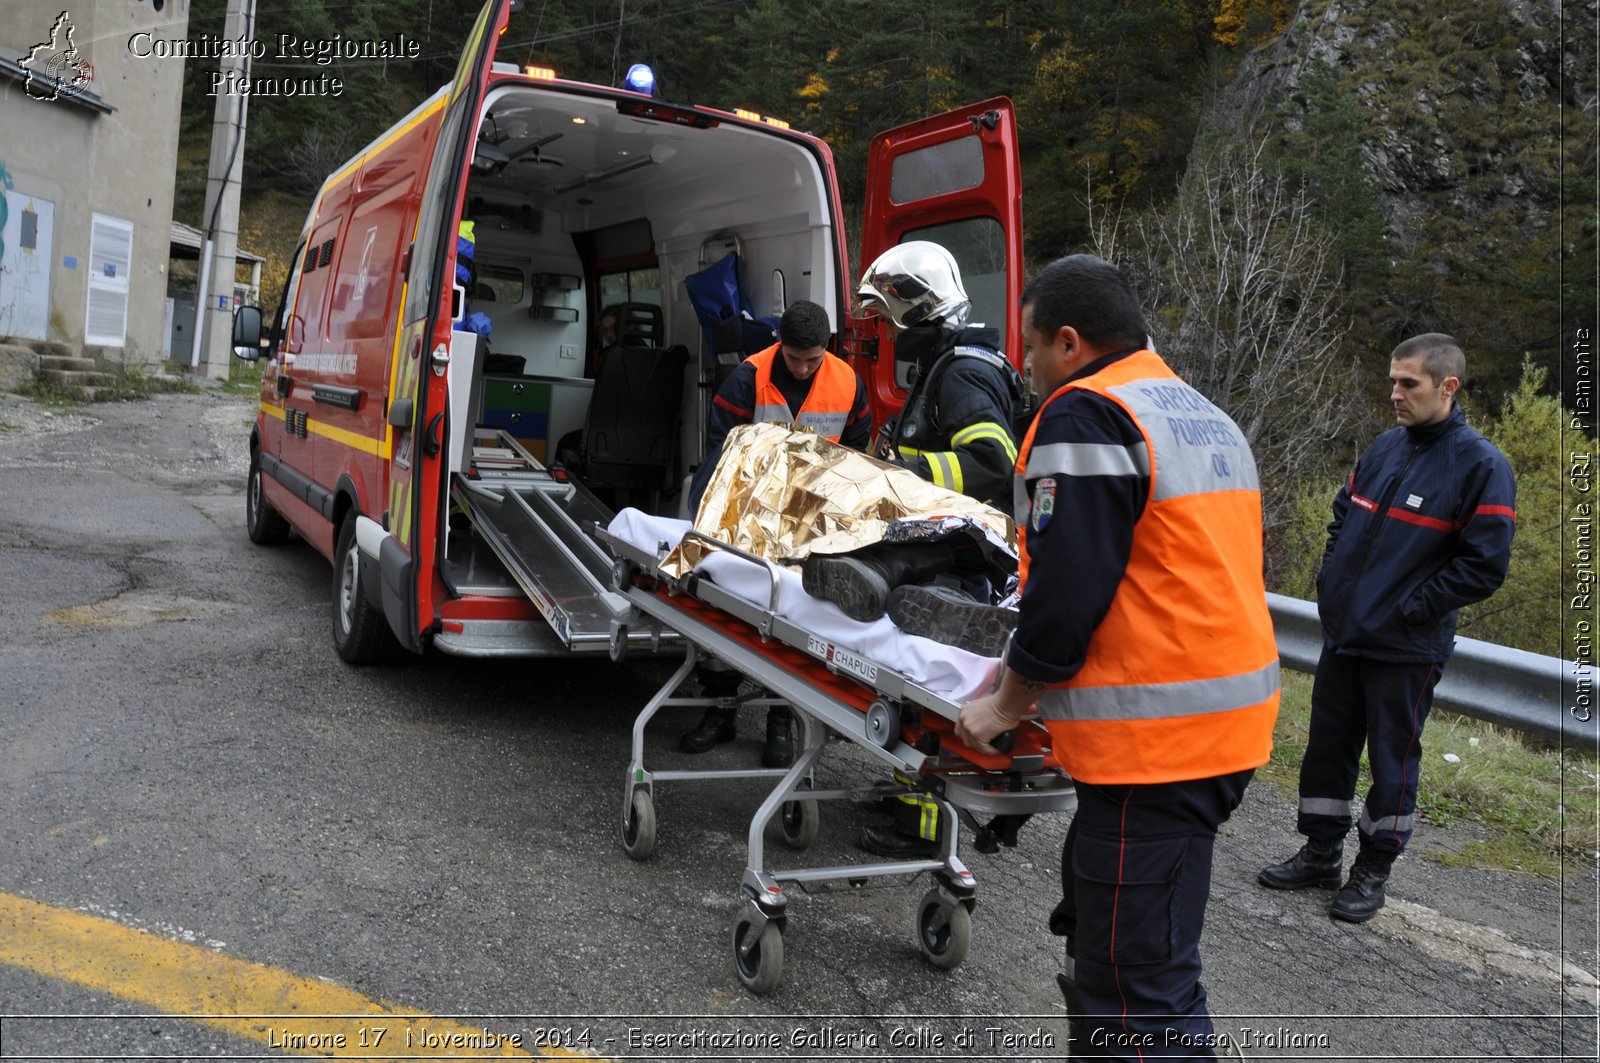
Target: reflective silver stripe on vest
{"x":1088,"y":459}
{"x":1325,"y":806}
{"x":1152,"y":701}
{"x":1075,"y":459}
{"x":773,"y":413}
{"x":827,"y":425}
{"x":1197,"y":447}
{"x":1394,"y":823}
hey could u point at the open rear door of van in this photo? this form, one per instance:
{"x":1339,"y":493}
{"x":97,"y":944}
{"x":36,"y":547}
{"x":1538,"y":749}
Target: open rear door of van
{"x":954,"y":179}
{"x":419,"y":396}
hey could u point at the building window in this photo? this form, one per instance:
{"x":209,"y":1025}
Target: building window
{"x":110,"y":257}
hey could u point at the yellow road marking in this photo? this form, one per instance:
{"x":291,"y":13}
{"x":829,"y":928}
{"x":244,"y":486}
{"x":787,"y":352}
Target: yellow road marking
{"x":301,"y":1016}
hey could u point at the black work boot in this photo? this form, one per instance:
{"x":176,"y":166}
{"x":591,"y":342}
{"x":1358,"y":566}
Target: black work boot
{"x":891,"y":841}
{"x":859,"y":583}
{"x":1316,"y":864}
{"x":946,"y":615}
{"x":715,"y":727}
{"x":778,"y":752}
{"x":1080,"y":1041}
{"x":1362,"y":895}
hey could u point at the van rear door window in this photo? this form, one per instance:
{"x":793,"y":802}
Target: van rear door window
{"x":937,"y":170}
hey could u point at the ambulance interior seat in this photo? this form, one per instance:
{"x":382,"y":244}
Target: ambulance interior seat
{"x":630,"y":439}
{"x":638,"y":324}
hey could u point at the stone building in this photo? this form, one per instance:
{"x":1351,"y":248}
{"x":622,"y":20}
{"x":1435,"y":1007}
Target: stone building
{"x":88,"y":151}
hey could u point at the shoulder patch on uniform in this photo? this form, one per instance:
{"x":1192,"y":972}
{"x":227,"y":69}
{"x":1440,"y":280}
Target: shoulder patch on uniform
{"x":1044,"y":503}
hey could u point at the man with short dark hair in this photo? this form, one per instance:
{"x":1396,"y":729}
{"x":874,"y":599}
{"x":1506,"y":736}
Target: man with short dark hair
{"x":1422,"y":527}
{"x":795,"y":381}
{"x":1144,"y":640}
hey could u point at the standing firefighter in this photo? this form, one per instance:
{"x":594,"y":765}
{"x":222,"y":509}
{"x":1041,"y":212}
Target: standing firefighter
{"x":1422,"y":527}
{"x":1143,"y":637}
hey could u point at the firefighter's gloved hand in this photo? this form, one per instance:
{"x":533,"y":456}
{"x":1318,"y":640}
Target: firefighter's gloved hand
{"x":883,"y":448}
{"x":981,"y":719}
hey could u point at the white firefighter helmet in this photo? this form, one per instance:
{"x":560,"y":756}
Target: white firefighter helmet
{"x":914,"y":283}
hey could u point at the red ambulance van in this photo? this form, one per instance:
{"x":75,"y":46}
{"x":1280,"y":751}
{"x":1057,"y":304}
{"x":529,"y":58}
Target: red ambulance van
{"x":449,"y":477}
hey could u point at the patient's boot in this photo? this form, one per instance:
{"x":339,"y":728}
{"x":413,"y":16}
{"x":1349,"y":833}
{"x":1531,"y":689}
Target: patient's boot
{"x":947,"y":615}
{"x":859,"y":583}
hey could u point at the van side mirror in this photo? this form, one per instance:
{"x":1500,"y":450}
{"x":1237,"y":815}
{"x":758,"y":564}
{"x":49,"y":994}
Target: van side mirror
{"x":247,"y":333}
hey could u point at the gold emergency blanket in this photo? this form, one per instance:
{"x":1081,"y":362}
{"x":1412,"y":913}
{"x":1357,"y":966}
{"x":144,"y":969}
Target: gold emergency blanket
{"x":782,"y":494}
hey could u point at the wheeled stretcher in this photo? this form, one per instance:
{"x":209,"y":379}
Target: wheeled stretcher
{"x":835,"y":673}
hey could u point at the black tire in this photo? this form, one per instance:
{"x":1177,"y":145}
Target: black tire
{"x":945,"y":934}
{"x":265,"y":525}
{"x":798,"y":823}
{"x":360,"y":632}
{"x":761,"y":968}
{"x":639,"y":829}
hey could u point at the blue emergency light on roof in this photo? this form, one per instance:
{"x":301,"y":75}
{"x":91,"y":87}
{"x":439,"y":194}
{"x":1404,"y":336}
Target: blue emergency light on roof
{"x":641,"y":79}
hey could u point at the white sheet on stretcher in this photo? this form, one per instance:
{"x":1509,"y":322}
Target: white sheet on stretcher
{"x":946,"y":671}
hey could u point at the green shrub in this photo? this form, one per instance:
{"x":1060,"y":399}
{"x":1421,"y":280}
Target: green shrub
{"x":1526,"y":611}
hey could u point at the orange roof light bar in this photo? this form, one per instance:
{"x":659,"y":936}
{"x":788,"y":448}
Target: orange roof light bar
{"x":543,"y":73}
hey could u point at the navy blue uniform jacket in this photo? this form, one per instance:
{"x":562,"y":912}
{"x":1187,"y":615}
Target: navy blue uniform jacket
{"x":1422,"y":527}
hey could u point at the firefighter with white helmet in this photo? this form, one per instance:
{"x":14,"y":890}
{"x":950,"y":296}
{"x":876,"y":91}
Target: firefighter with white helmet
{"x":955,"y":428}
{"x":954,"y":431}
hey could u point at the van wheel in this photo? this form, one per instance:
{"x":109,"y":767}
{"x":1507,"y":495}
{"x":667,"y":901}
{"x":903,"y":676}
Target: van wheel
{"x":360,"y":632}
{"x":265,"y":525}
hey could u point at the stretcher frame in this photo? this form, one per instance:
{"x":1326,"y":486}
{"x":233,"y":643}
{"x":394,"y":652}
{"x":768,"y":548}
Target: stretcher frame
{"x":836,"y":691}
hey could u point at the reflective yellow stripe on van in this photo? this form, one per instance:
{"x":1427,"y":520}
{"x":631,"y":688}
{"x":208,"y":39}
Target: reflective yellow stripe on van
{"x":355,"y":440}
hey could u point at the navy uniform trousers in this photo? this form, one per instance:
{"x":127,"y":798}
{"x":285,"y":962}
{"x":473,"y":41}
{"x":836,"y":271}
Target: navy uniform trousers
{"x":1382,"y":705}
{"x":1136,"y":876}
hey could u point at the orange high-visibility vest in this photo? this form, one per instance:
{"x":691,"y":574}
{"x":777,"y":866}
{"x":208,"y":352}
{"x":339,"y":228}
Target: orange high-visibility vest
{"x":1181,"y":678}
{"x":827,"y":408}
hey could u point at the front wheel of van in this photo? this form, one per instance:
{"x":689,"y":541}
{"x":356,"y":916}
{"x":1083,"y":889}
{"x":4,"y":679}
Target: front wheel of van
{"x":264,"y":524}
{"x":360,"y":632}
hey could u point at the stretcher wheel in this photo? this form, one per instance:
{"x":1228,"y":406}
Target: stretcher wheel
{"x":639,"y":830}
{"x":799,"y":821}
{"x":944,"y":931}
{"x":883,"y":723}
{"x":760,"y":967}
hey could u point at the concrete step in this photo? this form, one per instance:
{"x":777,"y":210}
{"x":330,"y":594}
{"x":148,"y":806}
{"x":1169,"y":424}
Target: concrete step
{"x":76,"y":379}
{"x":50,"y":349}
{"x":68,"y":364}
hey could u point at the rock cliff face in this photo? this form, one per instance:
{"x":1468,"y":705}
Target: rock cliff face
{"x":1477,"y":130}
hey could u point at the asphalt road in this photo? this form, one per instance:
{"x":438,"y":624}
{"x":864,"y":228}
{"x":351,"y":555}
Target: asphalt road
{"x":182,"y":753}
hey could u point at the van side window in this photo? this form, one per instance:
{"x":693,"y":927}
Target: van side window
{"x":285,"y":336}
{"x":315,"y":282}
{"x":500,"y":284}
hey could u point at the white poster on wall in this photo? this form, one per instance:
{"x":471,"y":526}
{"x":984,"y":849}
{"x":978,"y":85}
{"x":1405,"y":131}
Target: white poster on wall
{"x":25,"y":266}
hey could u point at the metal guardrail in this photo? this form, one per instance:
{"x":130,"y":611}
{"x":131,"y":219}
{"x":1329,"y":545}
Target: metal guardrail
{"x":1546,"y":696}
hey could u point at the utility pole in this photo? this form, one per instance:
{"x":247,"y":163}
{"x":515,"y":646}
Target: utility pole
{"x":219,"y":241}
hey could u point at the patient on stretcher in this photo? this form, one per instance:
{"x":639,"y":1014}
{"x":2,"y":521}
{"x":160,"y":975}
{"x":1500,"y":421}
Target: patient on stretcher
{"x":872,"y":538}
